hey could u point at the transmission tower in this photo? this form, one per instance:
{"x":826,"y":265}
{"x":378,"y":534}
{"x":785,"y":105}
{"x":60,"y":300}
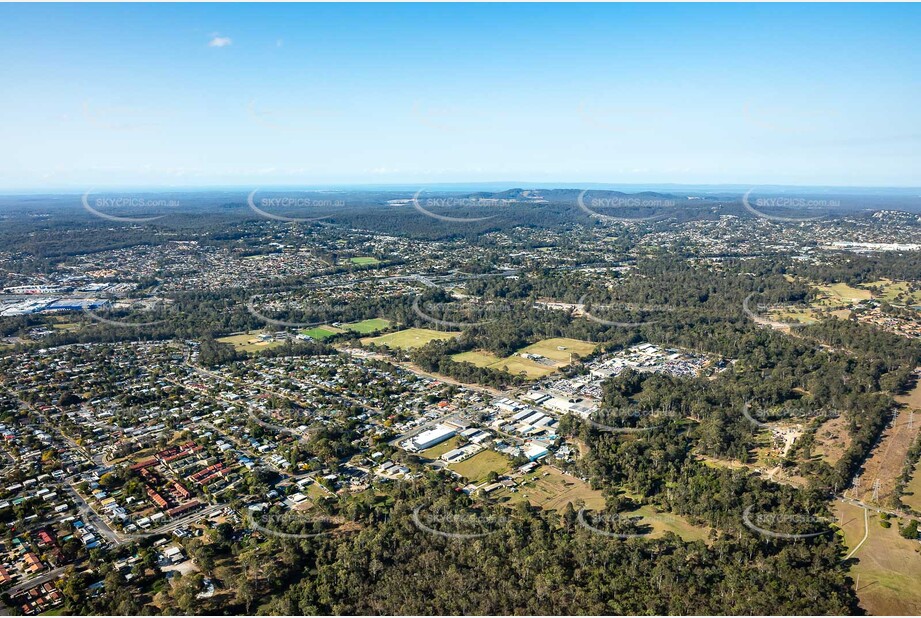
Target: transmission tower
{"x":876,"y":491}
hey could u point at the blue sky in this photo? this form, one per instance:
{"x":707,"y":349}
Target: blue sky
{"x":201,"y":95}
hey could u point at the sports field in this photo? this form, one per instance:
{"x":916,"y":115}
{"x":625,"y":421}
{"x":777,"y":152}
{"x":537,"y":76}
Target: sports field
{"x":364,"y":261}
{"x":366,"y":327}
{"x":410,"y":338}
{"x":321,"y":332}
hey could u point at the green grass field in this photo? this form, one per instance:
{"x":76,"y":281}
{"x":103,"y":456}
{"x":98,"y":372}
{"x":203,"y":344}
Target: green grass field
{"x":322,"y":332}
{"x":366,"y":327}
{"x":840,"y":294}
{"x":480,"y":358}
{"x":249,"y":342}
{"x":887,"y":564}
{"x":364,"y":261}
{"x":668,"y":522}
{"x":480,"y":465}
{"x":517,"y":365}
{"x":895,"y":292}
{"x":440,"y":449}
{"x":550,"y":348}
{"x":409,"y":338}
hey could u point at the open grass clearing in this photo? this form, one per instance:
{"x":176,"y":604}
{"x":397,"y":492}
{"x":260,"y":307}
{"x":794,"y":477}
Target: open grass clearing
{"x":480,"y":358}
{"x":366,"y":327}
{"x":409,"y":338}
{"x":249,"y":342}
{"x":322,"y":332}
{"x":550,"y":489}
{"x":364,"y":261}
{"x":478,"y":467}
{"x":440,"y":449}
{"x":889,"y":566}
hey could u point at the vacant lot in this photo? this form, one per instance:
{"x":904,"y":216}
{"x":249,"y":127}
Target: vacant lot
{"x":559,"y":349}
{"x":480,"y":358}
{"x":480,"y":465}
{"x":517,"y":365}
{"x":409,"y":338}
{"x":661,"y":523}
{"x":831,"y":440}
{"x":551,"y":489}
{"x":556,"y":352}
{"x":322,"y":332}
{"x":440,"y":449}
{"x":249,"y":342}
{"x":368,"y":326}
{"x":888,"y":565}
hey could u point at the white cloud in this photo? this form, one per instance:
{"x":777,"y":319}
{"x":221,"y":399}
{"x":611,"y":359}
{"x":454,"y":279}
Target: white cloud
{"x":220,"y":41}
